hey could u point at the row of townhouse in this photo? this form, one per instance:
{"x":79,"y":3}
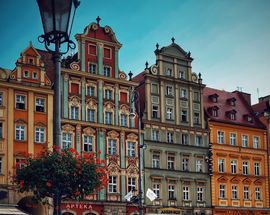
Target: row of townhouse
{"x":206,"y":149}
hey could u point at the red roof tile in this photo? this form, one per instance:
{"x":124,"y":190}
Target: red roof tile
{"x":46,"y":57}
{"x":139,"y":78}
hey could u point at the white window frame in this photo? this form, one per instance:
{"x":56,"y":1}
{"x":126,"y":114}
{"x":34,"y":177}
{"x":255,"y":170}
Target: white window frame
{"x":186,"y":193}
{"x":156,"y":189}
{"x":169,"y":113}
{"x":169,"y":90}
{"x":233,"y":139}
{"x":131,"y":184}
{"x":131,"y":149}
{"x":66,"y":140}
{"x":91,"y":115}
{"x":200,"y":194}
{"x":256,"y":142}
{"x":20,"y":99}
{"x":199,"y":165}
{"x":155,"y":111}
{"x":233,"y":166}
{"x":185,"y":164}
{"x":156,"y":161}
{"x":234,"y":191}
{"x":92,"y":68}
{"x":171,"y":192}
{"x":20,"y":132}
{"x":171,"y":162}
{"x":257,"y":169}
{"x":74,"y":112}
{"x":108,"y":118}
{"x":244,"y":140}
{"x":222,"y":191}
{"x":88,"y":143}
{"x":245,"y":167}
{"x":258,"y":194}
{"x":220,"y":137}
{"x":221,"y":165}
{"x":112,"y":146}
{"x":112,"y":184}
{"x":123,"y":120}
{"x":169,"y":137}
{"x":246,"y":193}
{"x":155,"y":135}
{"x":198,"y":140}
{"x":40,"y":135}
{"x":107,"y":71}
{"x":40,"y":102}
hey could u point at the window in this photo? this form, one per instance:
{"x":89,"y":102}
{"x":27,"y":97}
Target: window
{"x":196,"y":118}
{"x":246,"y":193}
{"x":154,"y":88}
{"x":169,"y":137}
{"x":233,"y":116}
{"x":131,"y":149}
{"x":220,"y":137}
{"x":184,"y":116}
{"x":221,"y":165}
{"x":169,"y":72}
{"x":35,"y":75}
{"x":169,"y":113}
{"x":234,"y":192}
{"x":31,"y":61}
{"x":185,"y":162}
{"x":1,"y":165}
{"x":257,"y":169}
{"x":90,"y":91}
{"x":123,"y":120}
{"x":112,"y":147}
{"x":156,"y":161}
{"x":74,"y":112}
{"x":185,"y":193}
{"x":92,"y":68}
{"x":170,"y":162}
{"x":222,"y":193}
{"x":171,"y":192}
{"x":156,"y":189}
{"x":244,"y":140}
{"x":233,"y":166}
{"x":199,"y":165}
{"x":131,"y":184}
{"x":185,"y":139}
{"x":108,"y":94}
{"x":198,"y":140}
{"x":245,"y":168}
{"x":214,"y":112}
{"x":256,"y":143}
{"x":196,"y":96}
{"x":20,"y":132}
{"x":169,"y":90}
{"x":67,"y":140}
{"x":108,"y":118}
{"x":1,"y":130}
{"x":183,"y":93}
{"x":112,"y":185}
{"x":258,"y":193}
{"x":182,"y":74}
{"x":1,"y":99}
{"x":40,"y":135}
{"x":200,"y":194}
{"x":40,"y":105}
{"x":107,"y":71}
{"x":233,"y":139}
{"x":107,"y":53}
{"x":26,"y":74}
{"x":88,"y":143}
{"x":155,"y":111}
{"x":20,"y":102}
{"x":155,"y":135}
{"x":91,"y":115}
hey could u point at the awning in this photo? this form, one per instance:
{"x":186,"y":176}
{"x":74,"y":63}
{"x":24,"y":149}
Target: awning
{"x":11,"y":210}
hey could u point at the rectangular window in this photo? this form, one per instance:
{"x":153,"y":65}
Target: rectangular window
{"x":107,"y":71}
{"x":199,"y":165}
{"x":108,"y":118}
{"x":90,"y":91}
{"x":108,"y":94}
{"x":170,"y":162}
{"x":123,"y":120}
{"x":35,"y":75}
{"x":88,"y":143}
{"x":169,"y":90}
{"x":155,"y":135}
{"x":245,"y":168}
{"x":156,"y":189}
{"x":1,"y":165}
{"x":246,"y":193}
{"x":200,"y":194}
{"x":1,"y":130}
{"x":92,"y":68}
{"x":183,"y":93}
{"x":171,"y":193}
{"x":112,"y":147}
{"x":91,"y":115}
{"x":131,"y":149}
{"x":40,"y":105}
{"x":222,"y":193}
{"x":198,"y":140}
{"x":107,"y":53}
{"x":169,"y":72}
{"x":131,"y":184}
{"x":185,"y":193}
{"x":20,"y":102}
{"x":181,"y":74}
{"x":154,"y":88}
{"x":26,"y":74}
{"x":154,"y":111}
{"x":184,"y":116}
{"x":112,"y":185}
{"x":244,"y":140}
{"x":196,"y":96}
{"x":256,"y":142}
{"x":233,"y":166}
{"x":169,"y":113}
{"x":185,"y":139}
{"x":221,"y":165}
{"x":258,"y":193}
{"x":234,"y":192}
{"x":196,"y":118}
{"x":257,"y":169}
{"x":185,"y":164}
{"x":40,"y":135}
{"x":156,"y":161}
{"x":169,"y":137}
{"x":220,"y":137}
{"x":74,"y":112}
{"x":67,"y":140}
{"x":1,"y":99}
{"x":20,"y":132}
{"x":233,"y":139}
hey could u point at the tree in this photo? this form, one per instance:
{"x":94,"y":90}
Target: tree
{"x":60,"y":174}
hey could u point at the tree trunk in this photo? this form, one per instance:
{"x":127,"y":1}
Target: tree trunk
{"x":57,"y":205}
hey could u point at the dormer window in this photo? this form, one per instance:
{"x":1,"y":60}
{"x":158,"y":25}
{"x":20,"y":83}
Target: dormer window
{"x":231,"y":114}
{"x":31,"y":61}
{"x":26,"y":74}
{"x":248,"y":118}
{"x":231,"y":101}
{"x":214,"y":98}
{"x":213,"y":111}
{"x":35,"y":75}
{"x":169,"y":72}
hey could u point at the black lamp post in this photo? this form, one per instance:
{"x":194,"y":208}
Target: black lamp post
{"x":57,"y":19}
{"x":135,"y":98}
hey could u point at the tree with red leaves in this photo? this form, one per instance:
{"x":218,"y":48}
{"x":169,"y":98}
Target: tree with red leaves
{"x":61,"y":174}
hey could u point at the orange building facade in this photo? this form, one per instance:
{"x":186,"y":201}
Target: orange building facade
{"x":239,"y":179}
{"x":26,"y":114}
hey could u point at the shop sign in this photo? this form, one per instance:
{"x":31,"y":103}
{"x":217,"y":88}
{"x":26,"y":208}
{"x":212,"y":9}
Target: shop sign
{"x":170,"y":211}
{"x":79,"y":206}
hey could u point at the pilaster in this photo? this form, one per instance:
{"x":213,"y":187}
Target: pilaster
{"x":83,"y":98}
{"x":122,"y":150}
{"x":101,"y":147}
{"x":30,"y":129}
{"x":148,"y":101}
{"x":78,"y":139}
{"x":50,"y":121}
{"x":100,"y":58}
{"x":116,"y":104}
{"x":190,"y":108}
{"x":162,"y":101}
{"x":65,"y":95}
{"x":82,"y":55}
{"x":100,"y":102}
{"x":116,"y":67}
{"x":177,"y":110}
{"x":123,"y":187}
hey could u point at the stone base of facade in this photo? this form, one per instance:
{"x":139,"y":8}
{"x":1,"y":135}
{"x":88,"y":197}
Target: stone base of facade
{"x":178,"y":211}
{"x":241,"y":211}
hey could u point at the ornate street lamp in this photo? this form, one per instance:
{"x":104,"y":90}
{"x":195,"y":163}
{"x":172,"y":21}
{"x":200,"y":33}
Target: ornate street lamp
{"x":57,"y":19}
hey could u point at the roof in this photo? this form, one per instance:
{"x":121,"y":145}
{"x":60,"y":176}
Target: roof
{"x":242,"y":109}
{"x":46,"y":57}
{"x":139,"y":78}
{"x":261,"y":107}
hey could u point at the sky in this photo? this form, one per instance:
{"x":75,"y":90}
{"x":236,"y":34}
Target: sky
{"x":228,"y":39}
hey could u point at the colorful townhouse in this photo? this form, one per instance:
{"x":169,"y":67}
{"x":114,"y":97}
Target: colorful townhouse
{"x":96,"y":107}
{"x":240,"y":183}
{"x":26,"y":119}
{"x":175,"y":134}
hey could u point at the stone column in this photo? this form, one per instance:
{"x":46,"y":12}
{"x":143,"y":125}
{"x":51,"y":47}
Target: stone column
{"x":78,"y":138}
{"x":116,"y":67}
{"x":100,"y":59}
{"x":162,"y":102}
{"x":83,"y":99}
{"x":100,"y":102}
{"x":65,"y":95}
{"x":101,"y":147}
{"x":116,"y":100}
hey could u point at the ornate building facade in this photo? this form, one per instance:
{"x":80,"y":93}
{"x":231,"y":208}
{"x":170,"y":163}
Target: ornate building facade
{"x":239,"y":147}
{"x":95,"y":117}
{"x":26,"y":116}
{"x":175,"y":164}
